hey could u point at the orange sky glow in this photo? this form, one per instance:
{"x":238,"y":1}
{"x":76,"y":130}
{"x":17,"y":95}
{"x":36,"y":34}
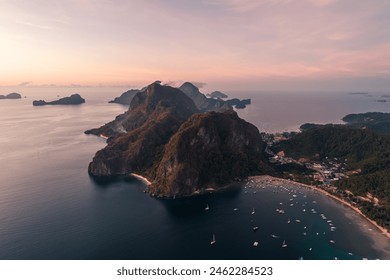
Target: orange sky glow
{"x":242,"y":44}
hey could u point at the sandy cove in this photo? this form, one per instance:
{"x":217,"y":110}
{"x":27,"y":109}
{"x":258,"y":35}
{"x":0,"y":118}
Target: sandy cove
{"x":357,"y":210}
{"x":141,"y":178}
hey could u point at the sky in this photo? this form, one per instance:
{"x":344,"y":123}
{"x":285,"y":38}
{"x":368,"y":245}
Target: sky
{"x":224,"y":44}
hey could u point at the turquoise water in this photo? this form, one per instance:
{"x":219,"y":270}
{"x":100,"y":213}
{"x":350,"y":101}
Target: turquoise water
{"x":51,"y":209}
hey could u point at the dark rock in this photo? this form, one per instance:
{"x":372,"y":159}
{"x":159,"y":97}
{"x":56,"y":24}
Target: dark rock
{"x":126,"y":97}
{"x":217,"y":94}
{"x":74,"y":99}
{"x":239,"y":104}
{"x":13,"y":95}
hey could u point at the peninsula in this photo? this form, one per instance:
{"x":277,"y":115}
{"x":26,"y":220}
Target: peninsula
{"x":74,"y":99}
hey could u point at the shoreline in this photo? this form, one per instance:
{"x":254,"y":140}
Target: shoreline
{"x":383,"y":230}
{"x":141,"y":178}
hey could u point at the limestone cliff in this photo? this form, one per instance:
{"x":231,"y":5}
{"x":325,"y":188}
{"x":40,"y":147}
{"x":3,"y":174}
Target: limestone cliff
{"x":210,"y":150}
{"x":139,"y":135}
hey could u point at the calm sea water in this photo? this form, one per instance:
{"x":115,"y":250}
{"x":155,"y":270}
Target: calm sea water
{"x":51,"y":209}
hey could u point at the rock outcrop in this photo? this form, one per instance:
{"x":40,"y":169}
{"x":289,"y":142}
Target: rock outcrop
{"x":237,"y":103}
{"x":13,"y":95}
{"x":74,"y":99}
{"x":126,"y":97}
{"x":217,"y":94}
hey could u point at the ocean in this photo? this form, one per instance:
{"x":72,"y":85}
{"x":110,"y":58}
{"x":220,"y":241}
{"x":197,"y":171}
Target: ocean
{"x":51,"y":209}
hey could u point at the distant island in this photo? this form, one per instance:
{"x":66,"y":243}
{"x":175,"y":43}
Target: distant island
{"x":386,"y":96}
{"x":203,"y":103}
{"x":13,"y":95}
{"x":358,"y":93}
{"x":217,"y":94}
{"x":74,"y":99}
{"x":182,"y":147}
{"x":126,"y":97}
{"x":237,"y":103}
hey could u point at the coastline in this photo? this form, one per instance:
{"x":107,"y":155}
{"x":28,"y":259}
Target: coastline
{"x":383,"y":230}
{"x":141,"y":178}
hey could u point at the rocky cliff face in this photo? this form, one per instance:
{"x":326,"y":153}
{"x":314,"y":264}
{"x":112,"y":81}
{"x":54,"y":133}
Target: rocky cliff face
{"x":139,"y":135}
{"x":153,"y":103}
{"x":210,"y":150}
{"x":165,"y":138}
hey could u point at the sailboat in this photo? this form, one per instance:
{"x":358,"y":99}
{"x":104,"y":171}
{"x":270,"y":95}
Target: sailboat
{"x":207,"y":207}
{"x":284,"y":245}
{"x":253,"y":211}
{"x":213,"y":241}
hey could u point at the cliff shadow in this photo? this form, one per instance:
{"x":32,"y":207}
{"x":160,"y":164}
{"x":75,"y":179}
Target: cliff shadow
{"x":195,"y":205}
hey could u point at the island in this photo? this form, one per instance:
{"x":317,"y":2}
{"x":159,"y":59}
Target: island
{"x":74,"y":99}
{"x":238,"y":104}
{"x":12,"y":95}
{"x":216,"y":104}
{"x":126,"y":97}
{"x":217,"y":94}
{"x":181,"y":150}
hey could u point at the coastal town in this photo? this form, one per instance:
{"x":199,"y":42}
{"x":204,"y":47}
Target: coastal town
{"x":323,"y":175}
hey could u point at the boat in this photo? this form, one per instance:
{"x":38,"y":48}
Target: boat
{"x":207,"y":207}
{"x":235,"y":209}
{"x":255,"y":228}
{"x":288,"y":221}
{"x":332,"y":241}
{"x":274,"y":236}
{"x":253,"y":211}
{"x":213,"y":241}
{"x":255,"y":244}
{"x":284,"y":245}
{"x":298,"y":221}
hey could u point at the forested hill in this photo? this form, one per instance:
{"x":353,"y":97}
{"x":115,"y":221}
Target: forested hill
{"x":374,"y":121}
{"x":360,"y":149}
